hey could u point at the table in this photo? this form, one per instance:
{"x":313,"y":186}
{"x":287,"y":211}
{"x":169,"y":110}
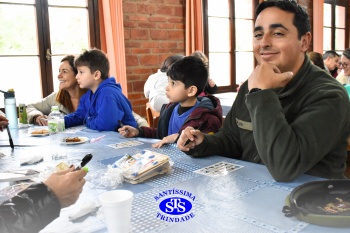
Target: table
{"x":245,"y":200}
{"x":226,"y":100}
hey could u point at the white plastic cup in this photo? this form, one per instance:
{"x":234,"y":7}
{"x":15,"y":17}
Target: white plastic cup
{"x":116,"y":207}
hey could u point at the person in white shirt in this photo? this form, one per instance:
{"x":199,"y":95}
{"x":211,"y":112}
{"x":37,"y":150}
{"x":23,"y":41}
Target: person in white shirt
{"x":154,"y":88}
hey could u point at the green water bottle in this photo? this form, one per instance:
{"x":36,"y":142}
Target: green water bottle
{"x":22,"y":112}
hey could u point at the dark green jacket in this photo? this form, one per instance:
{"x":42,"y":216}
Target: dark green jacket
{"x":301,"y":128}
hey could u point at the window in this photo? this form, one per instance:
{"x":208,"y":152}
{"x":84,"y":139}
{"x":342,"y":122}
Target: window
{"x":228,"y":33}
{"x":334,"y":25}
{"x":35,"y":35}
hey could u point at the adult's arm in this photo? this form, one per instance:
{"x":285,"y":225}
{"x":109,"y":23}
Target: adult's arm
{"x":226,"y":142}
{"x":289,"y":149}
{"x":29,"y":211}
{"x":42,"y":107}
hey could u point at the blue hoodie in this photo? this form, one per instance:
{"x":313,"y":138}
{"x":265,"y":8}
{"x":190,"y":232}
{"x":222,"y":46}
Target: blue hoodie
{"x":102,"y":110}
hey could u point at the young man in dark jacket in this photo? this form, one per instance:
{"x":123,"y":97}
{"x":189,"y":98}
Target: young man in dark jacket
{"x":187,"y":79}
{"x":289,"y":115}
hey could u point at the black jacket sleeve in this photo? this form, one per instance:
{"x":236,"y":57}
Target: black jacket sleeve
{"x":30,"y":210}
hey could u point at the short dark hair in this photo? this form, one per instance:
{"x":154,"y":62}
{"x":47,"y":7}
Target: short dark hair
{"x":95,"y":59}
{"x":70,"y":60}
{"x":169,"y":61}
{"x":191,"y":71}
{"x":301,"y":19}
{"x":346,"y":53}
{"x":330,"y":53}
{"x":316,"y":58}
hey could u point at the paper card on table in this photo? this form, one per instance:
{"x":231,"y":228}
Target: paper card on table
{"x":218,"y":169}
{"x":129,"y":143}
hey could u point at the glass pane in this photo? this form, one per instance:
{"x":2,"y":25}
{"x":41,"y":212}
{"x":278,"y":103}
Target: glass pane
{"x":244,"y":9}
{"x":218,"y":8}
{"x":244,"y":66}
{"x":20,"y":1}
{"x":219,"y":68}
{"x":219,"y":34}
{"x":339,"y":39}
{"x":68,"y":30}
{"x":18,"y":30}
{"x":25,"y":81}
{"x":244,"y":41}
{"x":327,"y":15}
{"x":340,"y":16}
{"x":81,"y":3}
{"x":327,"y":35}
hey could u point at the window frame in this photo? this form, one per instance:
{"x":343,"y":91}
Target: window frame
{"x":346,"y":4}
{"x":43,"y":34}
{"x":233,"y":86}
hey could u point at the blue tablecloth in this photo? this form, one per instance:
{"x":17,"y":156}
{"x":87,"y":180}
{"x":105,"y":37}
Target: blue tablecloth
{"x":245,"y":200}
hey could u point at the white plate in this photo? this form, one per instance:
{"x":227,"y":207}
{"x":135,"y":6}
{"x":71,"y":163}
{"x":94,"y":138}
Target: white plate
{"x":39,"y":135}
{"x":82,"y":140}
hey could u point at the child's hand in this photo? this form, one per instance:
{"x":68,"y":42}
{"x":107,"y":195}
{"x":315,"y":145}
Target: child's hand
{"x":166,"y":140}
{"x":128,"y":131}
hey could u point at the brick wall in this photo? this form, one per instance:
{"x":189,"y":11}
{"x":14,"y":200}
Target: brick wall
{"x":154,"y":29}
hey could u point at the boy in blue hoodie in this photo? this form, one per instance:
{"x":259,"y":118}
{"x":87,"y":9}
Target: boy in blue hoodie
{"x":104,"y":105}
{"x":187,"y":78}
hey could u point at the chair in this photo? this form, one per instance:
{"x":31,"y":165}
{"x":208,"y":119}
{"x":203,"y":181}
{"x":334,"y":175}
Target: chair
{"x":152,"y":116}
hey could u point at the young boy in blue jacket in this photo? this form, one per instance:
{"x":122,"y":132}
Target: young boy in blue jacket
{"x":104,"y":105}
{"x":187,"y":78}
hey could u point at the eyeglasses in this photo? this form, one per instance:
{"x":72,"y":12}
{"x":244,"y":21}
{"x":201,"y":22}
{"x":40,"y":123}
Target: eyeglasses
{"x":344,"y":65}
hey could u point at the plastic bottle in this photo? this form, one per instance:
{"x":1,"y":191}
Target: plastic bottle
{"x":56,"y":130}
{"x":22,"y":114}
{"x":11,"y":109}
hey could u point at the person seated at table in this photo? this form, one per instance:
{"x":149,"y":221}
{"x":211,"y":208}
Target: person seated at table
{"x":38,"y":205}
{"x":344,"y":76}
{"x":211,"y":87}
{"x":330,"y":59}
{"x":316,"y":59}
{"x":187,"y":79}
{"x":289,"y":114}
{"x":3,"y":121}
{"x":67,"y":98}
{"x":103,"y":105}
{"x":154,"y":88}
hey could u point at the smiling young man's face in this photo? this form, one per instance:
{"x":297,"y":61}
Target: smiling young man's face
{"x":276,"y":40}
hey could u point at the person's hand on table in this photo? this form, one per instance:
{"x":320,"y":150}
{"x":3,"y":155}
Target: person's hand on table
{"x":66,"y":185}
{"x":128,"y":131}
{"x":41,"y":120}
{"x":3,"y":122}
{"x":196,"y":137}
{"x":166,"y":140}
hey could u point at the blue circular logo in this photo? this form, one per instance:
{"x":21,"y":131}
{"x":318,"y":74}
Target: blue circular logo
{"x":175,"y":206}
